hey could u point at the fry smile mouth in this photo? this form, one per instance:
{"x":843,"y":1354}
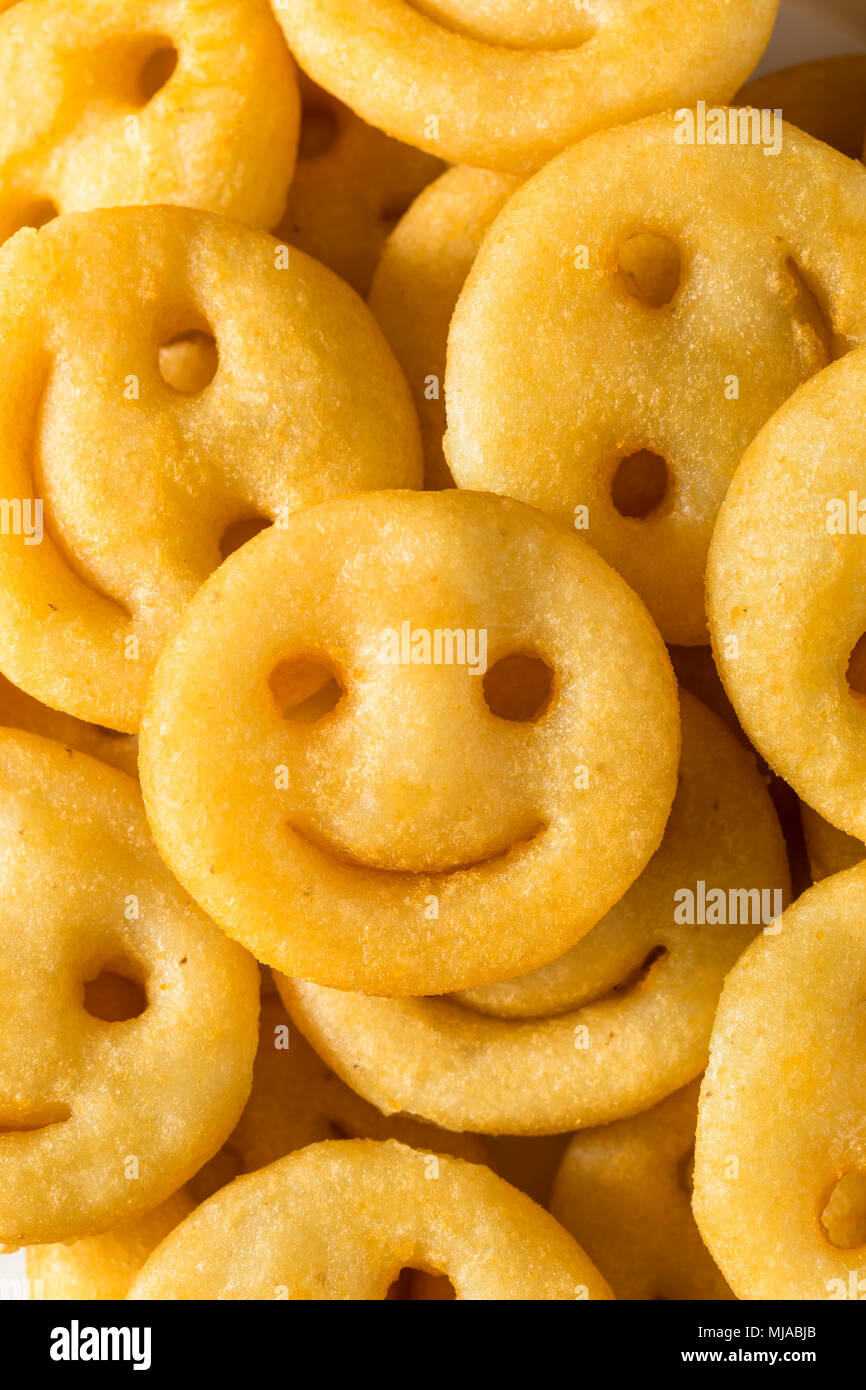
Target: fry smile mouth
{"x":340,"y":855}
{"x":34,"y":1119}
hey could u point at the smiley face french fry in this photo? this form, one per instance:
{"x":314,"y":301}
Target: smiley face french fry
{"x":20,"y":711}
{"x":141,"y":486}
{"x":488,"y":763}
{"x":595,"y":358}
{"x":144,"y":101}
{"x":470,"y":842}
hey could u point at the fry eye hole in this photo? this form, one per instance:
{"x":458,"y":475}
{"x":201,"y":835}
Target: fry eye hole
{"x":418,"y":1283}
{"x":305,"y":689}
{"x":856,"y":672}
{"x":518,"y":687}
{"x":156,"y":70}
{"x":116,"y":993}
{"x":319,"y":130}
{"x":649,"y":269}
{"x":188,"y":362}
{"x":844,"y":1216}
{"x":34,"y":1117}
{"x":640,"y":484}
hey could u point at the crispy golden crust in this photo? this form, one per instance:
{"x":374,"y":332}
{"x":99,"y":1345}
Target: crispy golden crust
{"x":141,"y":484}
{"x":613,"y":1026}
{"x":565,"y":358}
{"x":339,"y":1220}
{"x":144,"y":101}
{"x":624,"y":1193}
{"x":295,"y":1101}
{"x":411,"y":840}
{"x":84,"y":1141}
{"x":784,"y":593}
{"x":418,"y":281}
{"x":507,"y":86}
{"x":782,"y":1114}
{"x":20,"y":711}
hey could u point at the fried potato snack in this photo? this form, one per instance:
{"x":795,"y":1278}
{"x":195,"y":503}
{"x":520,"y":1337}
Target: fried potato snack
{"x":595,"y":359}
{"x":411,"y":838}
{"x":83,"y":1100}
{"x":620,"y":1021}
{"x":786,"y":593}
{"x":423,"y":268}
{"x":104,"y":1266}
{"x":505,"y":84}
{"x":624,"y":1193}
{"x":696,"y":671}
{"x":780,"y":1188}
{"x":826,"y":98}
{"x":295,"y":1101}
{"x":20,"y":711}
{"x":339,"y":1220}
{"x":351,"y":186}
{"x":142,"y":485}
{"x":115,"y":102}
